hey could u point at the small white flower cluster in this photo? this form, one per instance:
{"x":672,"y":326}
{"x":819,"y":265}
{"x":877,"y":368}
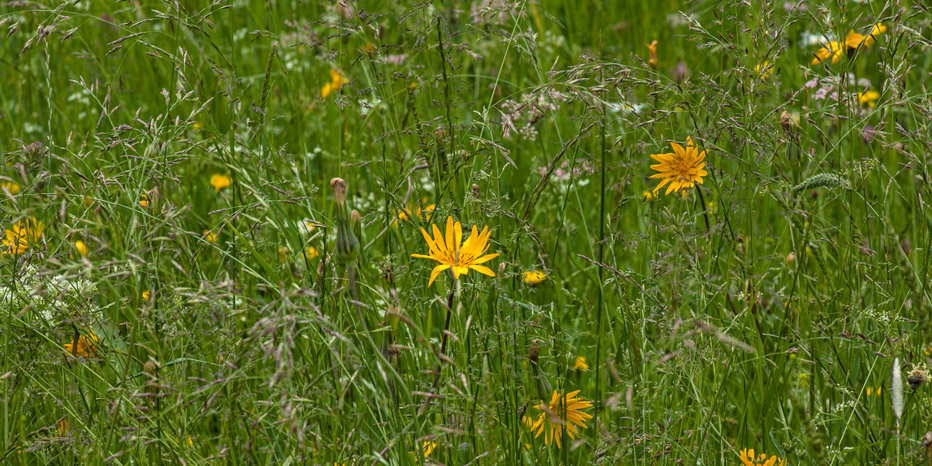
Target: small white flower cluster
{"x":47,"y":297}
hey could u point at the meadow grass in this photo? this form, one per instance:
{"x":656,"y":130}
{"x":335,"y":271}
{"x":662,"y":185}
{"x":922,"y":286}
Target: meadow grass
{"x":204,"y":290}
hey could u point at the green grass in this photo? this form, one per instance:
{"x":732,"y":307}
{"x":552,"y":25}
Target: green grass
{"x":755,"y":312}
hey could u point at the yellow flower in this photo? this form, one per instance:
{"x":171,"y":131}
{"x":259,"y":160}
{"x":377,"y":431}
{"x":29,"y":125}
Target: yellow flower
{"x":219,"y":182}
{"x":563,"y":412}
{"x":190,"y":441}
{"x":80,"y":247}
{"x":85,"y":346}
{"x":830,"y":49}
{"x":23,"y":235}
{"x":198,"y":125}
{"x":652,"y":50}
{"x":764,"y":69}
{"x":534,"y":277}
{"x":210,"y":236}
{"x":145,"y":295}
{"x":451,"y":255}
{"x":283,"y":253}
{"x":428,"y":448}
{"x":682,"y":169}
{"x":648,"y":196}
{"x":422,"y":214}
{"x":63,"y":428}
{"x":580,"y":364}
{"x":311,"y":253}
{"x":368,"y":49}
{"x":143,"y":200}
{"x":878,"y":29}
{"x":868,"y":98}
{"x":747,"y":459}
{"x":337,"y":81}
{"x":10,"y":186}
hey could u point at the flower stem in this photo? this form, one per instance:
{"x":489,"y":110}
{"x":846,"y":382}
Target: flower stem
{"x":705,"y":212}
{"x":443,"y":350}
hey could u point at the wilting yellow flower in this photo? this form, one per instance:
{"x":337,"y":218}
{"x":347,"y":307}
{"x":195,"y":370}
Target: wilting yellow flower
{"x":764,"y":70}
{"x":682,"y":169}
{"x":10,"y":186}
{"x":580,"y":364}
{"x":85,"y":347}
{"x":868,"y":98}
{"x":210,"y":236}
{"x":831,"y":49}
{"x":368,"y":49}
{"x":63,"y":428}
{"x":534,"y":277}
{"x":219,"y":182}
{"x":23,"y":235}
{"x":748,"y":459}
{"x":311,"y":253}
{"x":451,"y":255}
{"x":337,"y":81}
{"x":422,"y":214}
{"x":563,"y":412}
{"x":80,"y":247}
{"x":652,"y":50}
{"x":145,"y":295}
{"x":143,"y":200}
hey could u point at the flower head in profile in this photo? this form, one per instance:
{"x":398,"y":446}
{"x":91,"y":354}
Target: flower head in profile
{"x":22,"y":236}
{"x":421,"y":213}
{"x":453,"y":253}
{"x":831,"y":49}
{"x":563,"y":412}
{"x":84,"y":347}
{"x":749,"y":459}
{"x":681,"y":169}
{"x":219,"y":182}
{"x":652,"y":51}
{"x":81,"y":248}
{"x":764,"y":70}
{"x":580,"y":364}
{"x":337,"y":81}
{"x":534,"y":277}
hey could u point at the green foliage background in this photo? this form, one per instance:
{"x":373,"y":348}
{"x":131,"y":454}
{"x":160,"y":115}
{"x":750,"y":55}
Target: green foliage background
{"x":755,"y":312}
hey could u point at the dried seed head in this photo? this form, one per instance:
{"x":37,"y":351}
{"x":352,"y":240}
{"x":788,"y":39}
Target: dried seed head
{"x":534,"y":353}
{"x":339,"y":190}
{"x":917,"y":377}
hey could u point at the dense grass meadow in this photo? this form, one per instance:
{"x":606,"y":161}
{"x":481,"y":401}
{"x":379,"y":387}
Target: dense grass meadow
{"x":489,"y":232}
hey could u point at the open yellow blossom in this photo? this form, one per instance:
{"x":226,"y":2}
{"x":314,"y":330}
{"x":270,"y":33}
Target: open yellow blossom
{"x":534,"y":277}
{"x":210,"y":236}
{"x":831,"y":49}
{"x":22,"y":236}
{"x":85,"y":347}
{"x":219,"y":182}
{"x":145,"y":295}
{"x":648,"y":196}
{"x":421,"y":213}
{"x":681,"y":169}
{"x":428,"y":448}
{"x":748,"y":459}
{"x":143,"y":200}
{"x":580,"y":364}
{"x":652,"y":50}
{"x":563,"y":412}
{"x":447,"y":250}
{"x":868,"y":98}
{"x":10,"y":186}
{"x":337,"y":81}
